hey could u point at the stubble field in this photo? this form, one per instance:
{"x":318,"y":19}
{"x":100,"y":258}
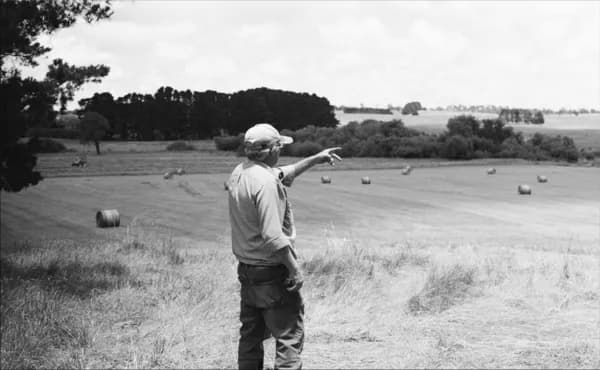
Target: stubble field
{"x":447,"y":267}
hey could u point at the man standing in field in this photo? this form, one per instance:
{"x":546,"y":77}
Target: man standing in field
{"x":262,"y":238}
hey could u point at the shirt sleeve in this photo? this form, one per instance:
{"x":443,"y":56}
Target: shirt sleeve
{"x":287,"y":174}
{"x":269,"y":217}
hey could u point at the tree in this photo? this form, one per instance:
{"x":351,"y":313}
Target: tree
{"x":538,"y":118}
{"x":68,"y":79}
{"x":412,"y":108}
{"x":106,"y":105}
{"x":28,"y":102}
{"x":463,"y":125}
{"x":458,"y":147}
{"x":93,"y":127}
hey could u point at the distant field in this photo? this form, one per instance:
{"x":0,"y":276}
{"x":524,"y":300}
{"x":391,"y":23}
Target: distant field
{"x":440,"y":118}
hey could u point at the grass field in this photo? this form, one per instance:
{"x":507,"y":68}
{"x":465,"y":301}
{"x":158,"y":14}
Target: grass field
{"x":440,"y":118}
{"x":447,"y":267}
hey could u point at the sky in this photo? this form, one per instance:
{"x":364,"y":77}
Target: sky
{"x":532,"y":54}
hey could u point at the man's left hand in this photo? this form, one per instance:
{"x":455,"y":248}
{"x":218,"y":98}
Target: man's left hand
{"x":328,"y":155}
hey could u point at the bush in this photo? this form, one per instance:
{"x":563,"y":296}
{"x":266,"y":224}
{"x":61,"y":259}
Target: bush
{"x":457,"y":147}
{"x":43,"y":145}
{"x":421,"y":146}
{"x":230,"y":143}
{"x":60,"y":133}
{"x":303,"y":149}
{"x":557,"y":147}
{"x":464,"y":125}
{"x":465,"y":138}
{"x":588,"y":154}
{"x":179,"y":146}
{"x":444,"y":288}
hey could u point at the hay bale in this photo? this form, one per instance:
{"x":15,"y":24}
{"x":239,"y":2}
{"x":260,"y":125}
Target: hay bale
{"x":325,"y":180}
{"x":542,"y":178}
{"x":168,"y":175}
{"x":491,"y":171}
{"x":406,"y":170}
{"x":108,"y":218}
{"x":79,"y":162}
{"x":365,"y":180}
{"x":524,"y":189}
{"x":180,"y":171}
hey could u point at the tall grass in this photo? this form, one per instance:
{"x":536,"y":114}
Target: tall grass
{"x":154,"y":300}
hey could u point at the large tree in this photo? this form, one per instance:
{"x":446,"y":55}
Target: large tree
{"x":93,"y":127}
{"x":28,"y":102}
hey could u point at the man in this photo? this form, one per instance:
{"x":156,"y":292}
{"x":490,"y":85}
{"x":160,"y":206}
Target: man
{"x":262,"y":237}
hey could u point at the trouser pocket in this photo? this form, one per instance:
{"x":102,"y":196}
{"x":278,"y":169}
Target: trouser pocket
{"x":263,"y":295}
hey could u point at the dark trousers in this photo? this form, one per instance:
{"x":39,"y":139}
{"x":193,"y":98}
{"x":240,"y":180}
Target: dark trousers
{"x":267,"y":308}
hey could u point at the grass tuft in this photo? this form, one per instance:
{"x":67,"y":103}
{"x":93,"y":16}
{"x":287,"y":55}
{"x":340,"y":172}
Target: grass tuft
{"x":444,"y":288}
{"x":180,"y":146}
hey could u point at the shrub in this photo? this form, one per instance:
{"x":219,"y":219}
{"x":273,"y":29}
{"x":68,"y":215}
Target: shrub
{"x":588,"y":154}
{"x":43,"y":145}
{"x":351,"y":148}
{"x":302,"y":149}
{"x":421,"y":146}
{"x":444,"y":288}
{"x":179,"y":146}
{"x":464,"y":125}
{"x":60,"y":133}
{"x":485,"y":145}
{"x":230,"y":143}
{"x":457,"y":147}
{"x":557,"y":147}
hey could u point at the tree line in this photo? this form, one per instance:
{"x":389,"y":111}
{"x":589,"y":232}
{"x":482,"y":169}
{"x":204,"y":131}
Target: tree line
{"x":490,"y":108}
{"x":170,"y":114}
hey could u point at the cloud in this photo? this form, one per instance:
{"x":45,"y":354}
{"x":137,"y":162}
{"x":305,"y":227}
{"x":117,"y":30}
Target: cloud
{"x":512,"y":53}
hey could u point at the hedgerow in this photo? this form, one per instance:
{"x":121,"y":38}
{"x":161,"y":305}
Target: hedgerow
{"x":466,"y":137}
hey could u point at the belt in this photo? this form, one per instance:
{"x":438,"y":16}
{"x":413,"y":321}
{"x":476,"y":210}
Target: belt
{"x":262,"y":266}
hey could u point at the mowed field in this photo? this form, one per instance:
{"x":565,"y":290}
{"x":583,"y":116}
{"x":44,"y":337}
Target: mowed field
{"x":446,"y":267}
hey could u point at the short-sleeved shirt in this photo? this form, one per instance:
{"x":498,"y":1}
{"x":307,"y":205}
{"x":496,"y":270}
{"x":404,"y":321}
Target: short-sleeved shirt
{"x":260,"y":213}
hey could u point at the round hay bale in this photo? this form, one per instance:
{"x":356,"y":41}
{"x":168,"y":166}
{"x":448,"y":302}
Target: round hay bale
{"x":168,"y":175}
{"x":491,"y":171}
{"x":524,"y":189}
{"x":365,"y":180}
{"x":180,"y":171}
{"x":107,"y":218}
{"x":325,"y":180}
{"x":406,"y":170}
{"x":542,"y":178}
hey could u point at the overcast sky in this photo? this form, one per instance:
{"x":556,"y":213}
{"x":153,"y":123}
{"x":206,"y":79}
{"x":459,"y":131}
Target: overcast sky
{"x":521,"y":54}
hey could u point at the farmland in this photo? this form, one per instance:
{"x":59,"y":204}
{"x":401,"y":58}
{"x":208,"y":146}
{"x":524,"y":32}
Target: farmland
{"x":446,"y":267}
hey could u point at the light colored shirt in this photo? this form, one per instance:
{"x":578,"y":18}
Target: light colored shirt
{"x":260,"y":213}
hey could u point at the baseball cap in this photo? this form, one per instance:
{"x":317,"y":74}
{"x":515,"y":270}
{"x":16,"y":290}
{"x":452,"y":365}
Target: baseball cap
{"x":262,"y":135}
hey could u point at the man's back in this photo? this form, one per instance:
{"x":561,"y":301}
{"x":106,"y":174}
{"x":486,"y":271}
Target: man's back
{"x":257,"y":205}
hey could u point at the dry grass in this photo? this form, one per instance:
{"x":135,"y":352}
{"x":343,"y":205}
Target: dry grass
{"x":153,"y":300}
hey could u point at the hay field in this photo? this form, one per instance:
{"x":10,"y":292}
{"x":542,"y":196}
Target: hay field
{"x":448,"y":267}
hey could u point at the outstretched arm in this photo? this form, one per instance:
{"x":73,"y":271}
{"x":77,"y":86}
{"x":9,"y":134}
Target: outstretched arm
{"x":324,"y":156}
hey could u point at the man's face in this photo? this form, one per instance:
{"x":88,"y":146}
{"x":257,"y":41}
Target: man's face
{"x":273,"y":156}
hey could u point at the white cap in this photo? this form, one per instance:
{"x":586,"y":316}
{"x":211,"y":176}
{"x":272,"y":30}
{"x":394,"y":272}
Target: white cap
{"x":262,"y":135}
